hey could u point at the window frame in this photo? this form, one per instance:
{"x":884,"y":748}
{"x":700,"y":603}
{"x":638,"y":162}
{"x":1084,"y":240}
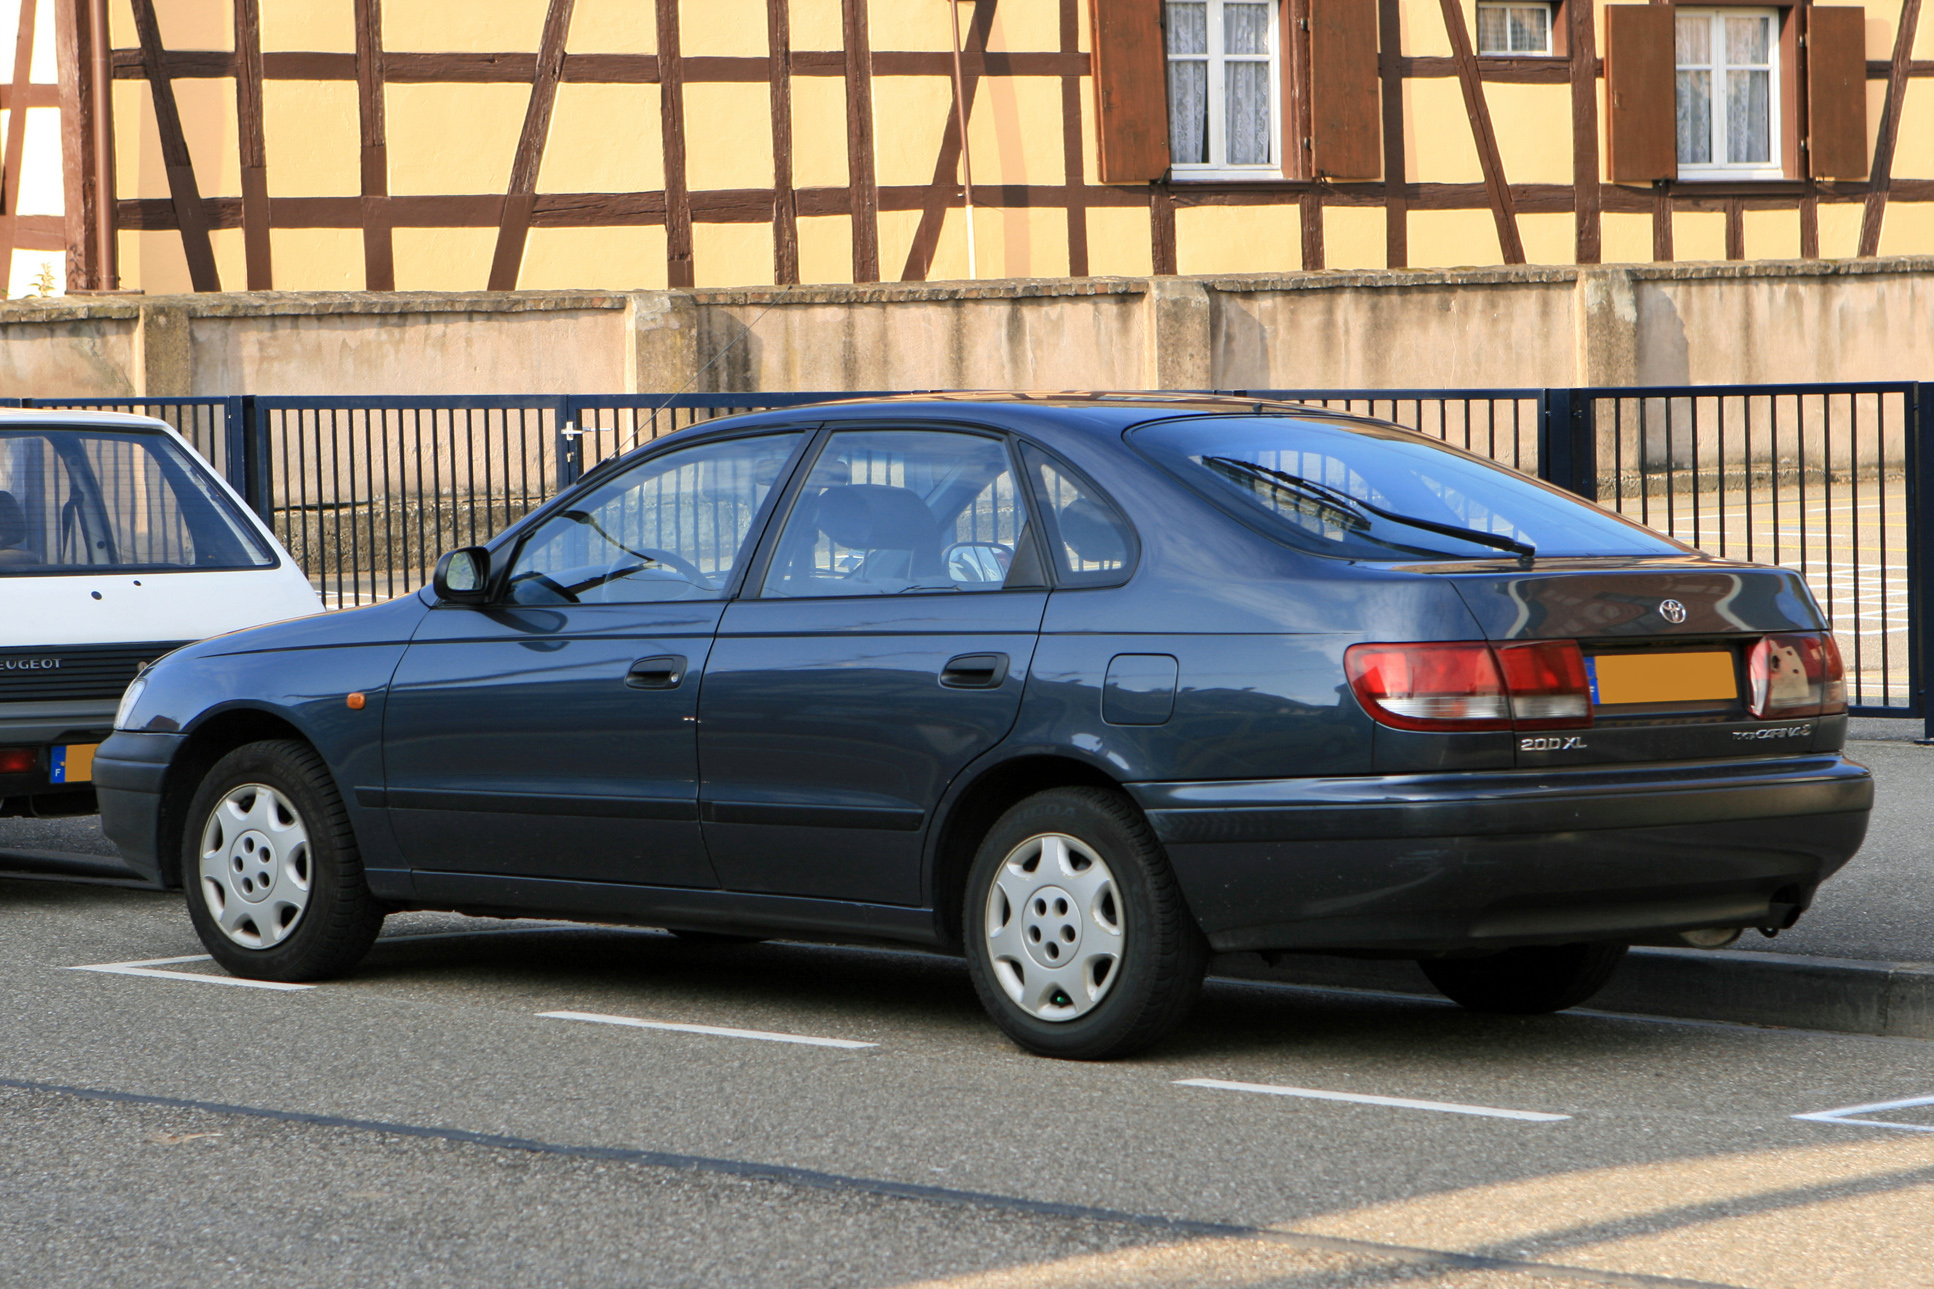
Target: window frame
{"x":758,"y":568}
{"x":1215,"y":170}
{"x":1556,"y":45}
{"x":1778,"y":166}
{"x":508,"y":547}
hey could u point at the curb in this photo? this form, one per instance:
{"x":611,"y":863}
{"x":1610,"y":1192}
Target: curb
{"x":1890,"y":999}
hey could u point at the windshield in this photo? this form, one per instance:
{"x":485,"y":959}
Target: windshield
{"x":84,"y":499}
{"x":1367,"y":492}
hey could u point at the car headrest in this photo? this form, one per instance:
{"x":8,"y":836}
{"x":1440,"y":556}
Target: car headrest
{"x":13,"y":521}
{"x":1093,"y":536}
{"x":874,"y":516}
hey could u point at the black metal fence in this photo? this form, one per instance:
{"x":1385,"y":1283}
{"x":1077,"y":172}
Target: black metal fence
{"x":366,"y":492}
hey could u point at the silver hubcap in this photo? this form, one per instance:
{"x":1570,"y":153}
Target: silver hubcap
{"x":1055,"y":933}
{"x":255,"y":868}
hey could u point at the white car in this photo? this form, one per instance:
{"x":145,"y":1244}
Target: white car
{"x":117,"y":545}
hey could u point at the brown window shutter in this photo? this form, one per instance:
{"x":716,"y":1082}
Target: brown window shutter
{"x":1640,"y":123}
{"x":1346,"y":126}
{"x":1836,"y":92}
{"x":1131,"y":90}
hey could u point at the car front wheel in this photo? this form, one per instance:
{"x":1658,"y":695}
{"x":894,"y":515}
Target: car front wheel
{"x":1528,"y":980}
{"x":269,"y":862}
{"x":1078,"y":939}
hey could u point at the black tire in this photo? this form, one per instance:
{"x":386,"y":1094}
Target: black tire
{"x":1154,"y":979}
{"x":332,"y":932}
{"x":1526,"y":981}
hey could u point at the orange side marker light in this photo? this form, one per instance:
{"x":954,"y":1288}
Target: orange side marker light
{"x":356,"y":701}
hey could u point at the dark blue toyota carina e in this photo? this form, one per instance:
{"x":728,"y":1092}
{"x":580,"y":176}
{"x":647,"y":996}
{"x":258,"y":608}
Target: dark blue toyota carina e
{"x":1084,"y":686}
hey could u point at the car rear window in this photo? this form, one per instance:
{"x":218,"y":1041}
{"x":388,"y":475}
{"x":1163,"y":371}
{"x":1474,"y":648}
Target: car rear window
{"x":1319,"y":486}
{"x":76,"y":499}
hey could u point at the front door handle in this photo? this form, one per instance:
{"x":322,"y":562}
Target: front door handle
{"x":663,"y":672}
{"x":975,"y":671}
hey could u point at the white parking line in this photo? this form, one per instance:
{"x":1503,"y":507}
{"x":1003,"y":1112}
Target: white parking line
{"x":717,"y":1031}
{"x":1844,"y":1115}
{"x":1400,"y":1103}
{"x":147,"y":968}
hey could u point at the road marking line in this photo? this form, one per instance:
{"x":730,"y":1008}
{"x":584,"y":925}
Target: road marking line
{"x":1401,"y":1103}
{"x":718,"y":1031}
{"x":1844,"y":1115}
{"x":147,"y":968}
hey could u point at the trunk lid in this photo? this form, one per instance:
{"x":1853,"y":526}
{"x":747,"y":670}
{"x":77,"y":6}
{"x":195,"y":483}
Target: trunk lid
{"x":1666,"y":645}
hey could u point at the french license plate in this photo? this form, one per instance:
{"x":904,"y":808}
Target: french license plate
{"x":73,"y":763}
{"x":1618,"y":679}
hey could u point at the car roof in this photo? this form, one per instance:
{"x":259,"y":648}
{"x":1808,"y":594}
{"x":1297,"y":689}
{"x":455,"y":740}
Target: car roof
{"x":77,"y":419}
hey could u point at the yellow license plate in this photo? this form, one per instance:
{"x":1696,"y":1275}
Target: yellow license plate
{"x":73,"y":763}
{"x":1662,"y":678}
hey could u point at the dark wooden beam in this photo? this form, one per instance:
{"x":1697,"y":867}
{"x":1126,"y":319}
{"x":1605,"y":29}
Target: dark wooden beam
{"x":944,"y":188}
{"x":1161,"y":229}
{"x":195,"y":243}
{"x":860,"y":178}
{"x":73,"y":45}
{"x":1880,"y":175}
{"x":785,"y":206}
{"x":253,"y":146}
{"x":23,"y":58}
{"x":1502,"y":211}
{"x":1584,"y":130}
{"x":1396,"y":214}
{"x":513,"y":225}
{"x":671,"y":121}
{"x":1071,"y":150}
{"x":379,"y":258}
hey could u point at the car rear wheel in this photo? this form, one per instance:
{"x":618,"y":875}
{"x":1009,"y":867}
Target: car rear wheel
{"x":1528,"y":980}
{"x":273,"y":876}
{"x":1078,"y":939}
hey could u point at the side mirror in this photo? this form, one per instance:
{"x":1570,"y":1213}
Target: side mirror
{"x":978,"y":562}
{"x":463,"y":576}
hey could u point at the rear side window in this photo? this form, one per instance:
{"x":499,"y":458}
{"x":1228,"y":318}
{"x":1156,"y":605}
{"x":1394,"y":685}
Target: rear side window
{"x":1092,"y":544}
{"x":1368,"y":492}
{"x":74,"y":499}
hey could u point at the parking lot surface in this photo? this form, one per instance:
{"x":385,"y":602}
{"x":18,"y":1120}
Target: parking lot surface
{"x":433,"y":1119}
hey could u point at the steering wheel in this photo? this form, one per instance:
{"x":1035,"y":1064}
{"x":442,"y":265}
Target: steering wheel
{"x":672,"y":560}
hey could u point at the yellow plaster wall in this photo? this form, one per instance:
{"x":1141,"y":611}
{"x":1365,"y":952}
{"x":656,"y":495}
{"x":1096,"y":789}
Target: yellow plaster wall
{"x":473,"y":26}
{"x":728,"y":136}
{"x":452,"y":138}
{"x":818,"y":132}
{"x":1354,"y":237}
{"x":825,"y":248}
{"x":305,"y":24}
{"x":1840,"y":228}
{"x":1907,"y":228}
{"x":1238,"y":239}
{"x":1438,"y":147}
{"x":442,"y":259}
{"x":732,"y":254}
{"x":1118,"y":242}
{"x":585,"y":153}
{"x":317,"y":259}
{"x":1452,"y":238}
{"x":911,"y":115}
{"x":1533,"y":128}
{"x":1772,"y":234}
{"x":312,"y":138}
{"x":720,"y":28}
{"x":816,"y":25}
{"x":1625,"y":239}
{"x":614,"y":27}
{"x":617,"y":259}
{"x":1698,"y":235}
{"x":1548,"y":239}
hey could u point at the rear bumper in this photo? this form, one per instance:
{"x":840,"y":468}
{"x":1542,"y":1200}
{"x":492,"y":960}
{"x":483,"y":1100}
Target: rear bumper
{"x":1429,"y":863}
{"x":129,"y":772}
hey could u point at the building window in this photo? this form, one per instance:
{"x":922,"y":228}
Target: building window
{"x":1514,"y":29}
{"x":1223,"y":71}
{"x":1728,"y":86}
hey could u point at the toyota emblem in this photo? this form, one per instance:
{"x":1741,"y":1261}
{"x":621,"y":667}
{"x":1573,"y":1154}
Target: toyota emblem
{"x":1672,"y":611}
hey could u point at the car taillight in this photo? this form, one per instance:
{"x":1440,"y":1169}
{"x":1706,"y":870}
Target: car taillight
{"x":1799,"y":674}
{"x":1469,"y":685}
{"x":1472,"y":686}
{"x":17,"y":760}
{"x":1547,"y":683}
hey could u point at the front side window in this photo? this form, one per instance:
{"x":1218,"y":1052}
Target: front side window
{"x":79,"y":499}
{"x":670,"y":528}
{"x":892,"y":512}
{"x":1513,"y":28}
{"x":1365,"y":492}
{"x":1728,"y":84}
{"x":1222,"y":78}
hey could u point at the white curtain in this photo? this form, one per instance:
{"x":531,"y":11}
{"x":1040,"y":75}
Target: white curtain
{"x":1188,"y":83}
{"x":1246,"y":107}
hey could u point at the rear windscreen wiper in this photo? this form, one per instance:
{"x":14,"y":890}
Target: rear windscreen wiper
{"x":1525,"y":551}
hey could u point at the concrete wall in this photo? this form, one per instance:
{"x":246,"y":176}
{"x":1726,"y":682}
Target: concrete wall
{"x":1550,"y":326}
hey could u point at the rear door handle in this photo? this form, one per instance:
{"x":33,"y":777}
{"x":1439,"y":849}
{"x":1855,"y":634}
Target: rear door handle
{"x":975,"y":671}
{"x":663,"y":672}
